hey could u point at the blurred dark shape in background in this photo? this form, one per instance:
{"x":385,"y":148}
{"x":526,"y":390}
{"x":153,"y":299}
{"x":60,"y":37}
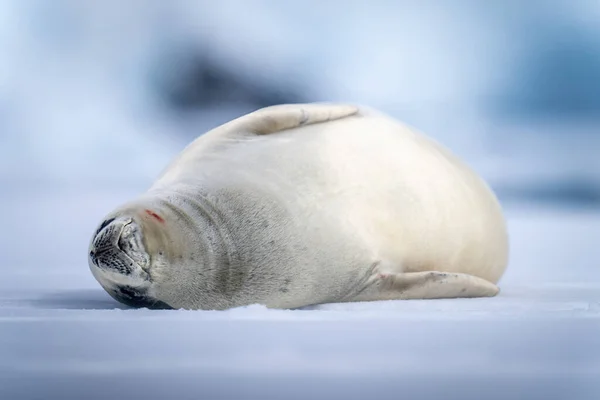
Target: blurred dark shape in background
{"x":557,"y":76}
{"x":191,"y":79}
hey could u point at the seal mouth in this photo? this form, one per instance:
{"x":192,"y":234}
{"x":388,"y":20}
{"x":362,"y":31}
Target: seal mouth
{"x":137,"y":298}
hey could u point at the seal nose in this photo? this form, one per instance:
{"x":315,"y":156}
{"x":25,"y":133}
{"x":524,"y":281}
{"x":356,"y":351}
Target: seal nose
{"x":106,"y":236}
{"x":103,"y":225}
{"x":96,"y":241}
{"x":93,"y":257}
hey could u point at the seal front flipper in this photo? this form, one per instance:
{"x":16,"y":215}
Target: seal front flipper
{"x":265,"y":121}
{"x":423,"y":285}
{"x":278,"y":118}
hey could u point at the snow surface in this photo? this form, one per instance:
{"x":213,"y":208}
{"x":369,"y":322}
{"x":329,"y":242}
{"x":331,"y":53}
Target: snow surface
{"x":62,"y":337}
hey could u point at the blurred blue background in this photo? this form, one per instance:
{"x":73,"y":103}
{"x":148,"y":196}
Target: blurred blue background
{"x":96,"y":97}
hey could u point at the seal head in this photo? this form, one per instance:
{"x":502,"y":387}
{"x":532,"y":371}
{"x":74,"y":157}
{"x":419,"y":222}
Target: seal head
{"x":120,"y":262}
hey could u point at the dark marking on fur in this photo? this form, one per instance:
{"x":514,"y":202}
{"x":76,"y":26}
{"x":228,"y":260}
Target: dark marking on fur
{"x":138,"y":298}
{"x":364,"y":282}
{"x":286,"y":283}
{"x":104,"y":225}
{"x":229,"y":276}
{"x":303,"y":118}
{"x":155,"y":216}
{"x":93,"y":258}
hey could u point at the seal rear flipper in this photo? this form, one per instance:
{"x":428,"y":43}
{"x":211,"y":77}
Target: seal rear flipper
{"x":424,"y":285}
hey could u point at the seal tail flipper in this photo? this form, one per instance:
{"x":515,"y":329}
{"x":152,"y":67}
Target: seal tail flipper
{"x":282,"y":117}
{"x":423,"y":285}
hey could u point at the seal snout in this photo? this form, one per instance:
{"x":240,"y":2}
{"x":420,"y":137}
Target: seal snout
{"x":117,"y":247}
{"x":119,"y":261}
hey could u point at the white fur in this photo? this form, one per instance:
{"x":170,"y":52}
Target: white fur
{"x":320,"y":203}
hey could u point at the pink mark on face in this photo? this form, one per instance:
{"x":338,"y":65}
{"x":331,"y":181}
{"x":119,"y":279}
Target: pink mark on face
{"x":155,"y":216}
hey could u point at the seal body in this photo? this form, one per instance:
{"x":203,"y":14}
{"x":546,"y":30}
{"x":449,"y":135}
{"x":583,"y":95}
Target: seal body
{"x":296,"y":205}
